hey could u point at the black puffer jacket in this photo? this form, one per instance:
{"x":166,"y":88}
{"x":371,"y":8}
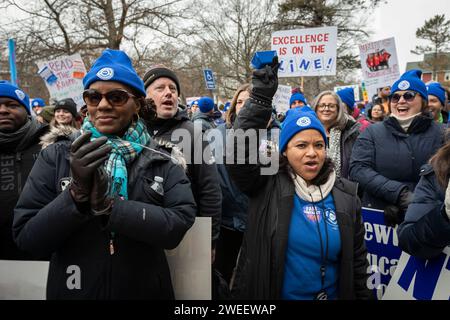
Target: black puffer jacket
{"x":204,"y":176}
{"x":16,"y":161}
{"x":47,"y":222}
{"x":260,"y":266}
{"x":426,"y":229}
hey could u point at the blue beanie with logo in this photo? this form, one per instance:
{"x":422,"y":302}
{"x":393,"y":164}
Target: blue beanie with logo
{"x":347,"y":96}
{"x":299,"y":119}
{"x":226,"y":106}
{"x":37,"y":102}
{"x":297,"y":96}
{"x":114,"y":65}
{"x":435,"y":89}
{"x":11,"y":91}
{"x":205,"y":104}
{"x":410,"y":80}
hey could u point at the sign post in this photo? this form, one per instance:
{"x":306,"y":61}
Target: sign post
{"x":12,"y":61}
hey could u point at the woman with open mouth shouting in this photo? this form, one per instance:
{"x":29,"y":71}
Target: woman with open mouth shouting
{"x":304,"y":238}
{"x":387,"y":158}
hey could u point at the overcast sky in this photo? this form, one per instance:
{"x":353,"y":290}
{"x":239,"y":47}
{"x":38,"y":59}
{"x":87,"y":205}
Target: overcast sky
{"x":400,"y":19}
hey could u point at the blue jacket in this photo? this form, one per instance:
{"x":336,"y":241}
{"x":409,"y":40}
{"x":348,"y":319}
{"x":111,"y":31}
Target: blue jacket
{"x":385,"y":159}
{"x":426,"y":229}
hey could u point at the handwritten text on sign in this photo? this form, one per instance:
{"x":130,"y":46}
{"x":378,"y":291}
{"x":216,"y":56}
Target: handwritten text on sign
{"x":306,"y":52}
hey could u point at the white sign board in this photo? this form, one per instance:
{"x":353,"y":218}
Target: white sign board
{"x":281,"y":98}
{"x":189,"y":263}
{"x":419,"y":279}
{"x":63,"y":77}
{"x":379,"y":64}
{"x":306,"y":52}
{"x":355,"y":90}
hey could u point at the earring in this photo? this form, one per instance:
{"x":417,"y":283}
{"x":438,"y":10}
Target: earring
{"x":136,"y":117}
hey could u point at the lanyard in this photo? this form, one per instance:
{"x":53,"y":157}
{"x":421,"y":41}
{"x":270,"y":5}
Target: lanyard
{"x":323,"y":258}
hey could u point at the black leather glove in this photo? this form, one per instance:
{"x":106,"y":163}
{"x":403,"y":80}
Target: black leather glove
{"x":393,"y":215}
{"x":85,"y":158}
{"x":404,"y":200}
{"x":265,"y":82}
{"x":101,"y":203}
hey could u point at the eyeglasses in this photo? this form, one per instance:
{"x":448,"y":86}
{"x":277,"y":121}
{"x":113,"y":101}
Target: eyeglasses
{"x":408,"y":96}
{"x":115,"y":97}
{"x":330,"y":106}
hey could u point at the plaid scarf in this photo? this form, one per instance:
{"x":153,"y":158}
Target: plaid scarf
{"x":124,"y":151}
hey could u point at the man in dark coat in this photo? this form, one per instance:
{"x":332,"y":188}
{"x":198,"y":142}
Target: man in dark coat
{"x":163,"y":87}
{"x":19,"y":148}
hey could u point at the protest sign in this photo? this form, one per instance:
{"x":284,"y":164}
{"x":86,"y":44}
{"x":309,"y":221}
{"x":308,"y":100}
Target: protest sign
{"x":379,"y":64}
{"x":306,"y":52}
{"x":382,"y":248}
{"x":420,"y":279}
{"x":281,"y":98}
{"x":63,"y":77}
{"x":355,"y":88}
{"x":189,"y":263}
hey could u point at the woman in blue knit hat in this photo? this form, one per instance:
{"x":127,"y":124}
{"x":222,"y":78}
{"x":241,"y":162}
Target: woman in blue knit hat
{"x":387,"y":157}
{"x":304,"y":237}
{"x":106,"y":203}
{"x":437,"y":100}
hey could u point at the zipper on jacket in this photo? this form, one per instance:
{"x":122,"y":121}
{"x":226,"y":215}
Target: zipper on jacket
{"x":111,"y":244}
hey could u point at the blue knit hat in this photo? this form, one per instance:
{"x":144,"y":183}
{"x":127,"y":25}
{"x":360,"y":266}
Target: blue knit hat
{"x":37,"y":102}
{"x":435,"y":89}
{"x":114,"y":65}
{"x":226,"y":106}
{"x":347,"y":96}
{"x":410,"y":80}
{"x":297,"y":96}
{"x":11,"y":91}
{"x":205,"y":104}
{"x":299,"y":119}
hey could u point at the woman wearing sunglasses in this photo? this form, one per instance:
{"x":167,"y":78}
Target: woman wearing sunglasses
{"x":106,"y":205}
{"x":387,"y":157}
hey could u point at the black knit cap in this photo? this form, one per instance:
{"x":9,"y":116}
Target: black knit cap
{"x":67,"y":104}
{"x":160,"y":72}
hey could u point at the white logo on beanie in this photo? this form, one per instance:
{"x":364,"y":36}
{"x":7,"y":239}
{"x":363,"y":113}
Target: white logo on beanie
{"x":403,"y":85}
{"x":105,"y":73}
{"x":20,"y":94}
{"x":303,"y":122}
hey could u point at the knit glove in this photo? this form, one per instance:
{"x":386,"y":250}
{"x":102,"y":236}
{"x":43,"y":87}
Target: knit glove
{"x":404,"y":200}
{"x":393,"y":215}
{"x":447,"y":201}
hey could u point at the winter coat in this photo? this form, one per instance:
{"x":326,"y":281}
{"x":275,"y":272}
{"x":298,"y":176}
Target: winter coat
{"x":385,"y":160}
{"x":120,"y":256}
{"x":16,"y":161}
{"x":260,"y":267}
{"x":204,"y":176}
{"x":426,"y":229}
{"x":206,"y":120}
{"x":348,"y":138}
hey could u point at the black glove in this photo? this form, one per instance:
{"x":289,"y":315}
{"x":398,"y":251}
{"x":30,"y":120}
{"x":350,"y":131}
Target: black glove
{"x":101,"y":203}
{"x":85,"y":158}
{"x":393,"y":215}
{"x":404,"y":200}
{"x":265,"y":82}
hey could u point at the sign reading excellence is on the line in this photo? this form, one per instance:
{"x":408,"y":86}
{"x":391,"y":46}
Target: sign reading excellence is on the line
{"x":306,"y":52}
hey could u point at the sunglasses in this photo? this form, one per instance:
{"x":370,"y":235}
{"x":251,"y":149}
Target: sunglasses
{"x":408,"y":96}
{"x":115,"y":97}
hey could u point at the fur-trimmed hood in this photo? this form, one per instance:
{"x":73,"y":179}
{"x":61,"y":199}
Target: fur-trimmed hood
{"x":56,"y":134}
{"x":67,"y":132}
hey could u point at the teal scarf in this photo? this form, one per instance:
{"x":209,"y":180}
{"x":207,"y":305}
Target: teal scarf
{"x":124,"y":151}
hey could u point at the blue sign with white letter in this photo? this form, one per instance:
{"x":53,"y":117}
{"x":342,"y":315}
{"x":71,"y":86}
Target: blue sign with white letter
{"x":209,"y":79}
